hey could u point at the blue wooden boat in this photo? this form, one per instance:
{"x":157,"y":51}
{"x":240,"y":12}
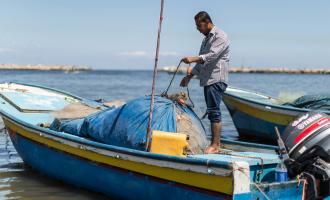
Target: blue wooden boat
{"x":255,"y":115}
{"x":242,"y":171}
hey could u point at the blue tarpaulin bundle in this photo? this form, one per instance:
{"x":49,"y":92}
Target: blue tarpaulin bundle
{"x":126,"y":126}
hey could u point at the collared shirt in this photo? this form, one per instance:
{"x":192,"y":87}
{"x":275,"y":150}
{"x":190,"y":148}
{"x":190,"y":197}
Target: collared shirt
{"x":215,"y":54}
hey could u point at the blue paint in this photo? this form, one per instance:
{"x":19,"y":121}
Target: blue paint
{"x":288,"y":191}
{"x":281,"y":173}
{"x":262,"y":165}
{"x":29,"y":120}
{"x":252,"y":158}
{"x":281,"y":176}
{"x":118,"y":183}
{"x":249,"y":126}
{"x":121,"y":183}
{"x":36,"y":102}
{"x":108,"y":180}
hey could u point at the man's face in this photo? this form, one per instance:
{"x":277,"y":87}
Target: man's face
{"x":202,"y":27}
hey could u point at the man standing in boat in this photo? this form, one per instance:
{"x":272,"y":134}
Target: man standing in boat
{"x":211,"y":67}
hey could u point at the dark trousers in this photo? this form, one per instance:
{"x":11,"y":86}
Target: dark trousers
{"x":213,"y":96}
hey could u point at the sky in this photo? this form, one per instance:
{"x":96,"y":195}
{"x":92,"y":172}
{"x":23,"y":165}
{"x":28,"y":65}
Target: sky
{"x":109,"y":34}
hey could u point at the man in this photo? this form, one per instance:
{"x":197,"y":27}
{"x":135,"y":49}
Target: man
{"x":212,"y":69}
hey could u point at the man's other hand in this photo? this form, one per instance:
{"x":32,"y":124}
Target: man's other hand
{"x":189,"y":71}
{"x":185,"y":81}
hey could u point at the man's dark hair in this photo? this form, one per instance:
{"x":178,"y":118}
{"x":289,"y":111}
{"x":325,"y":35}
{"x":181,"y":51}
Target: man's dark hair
{"x":203,"y":17}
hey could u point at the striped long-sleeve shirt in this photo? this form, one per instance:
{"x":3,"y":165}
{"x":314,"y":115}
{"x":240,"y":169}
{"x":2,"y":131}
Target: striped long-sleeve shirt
{"x":215,"y":54}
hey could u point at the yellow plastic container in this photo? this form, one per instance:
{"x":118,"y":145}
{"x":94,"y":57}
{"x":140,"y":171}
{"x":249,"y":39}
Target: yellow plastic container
{"x":168,"y":143}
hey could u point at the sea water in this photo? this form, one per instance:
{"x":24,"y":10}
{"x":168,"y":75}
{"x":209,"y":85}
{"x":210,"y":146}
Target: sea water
{"x":18,"y":181}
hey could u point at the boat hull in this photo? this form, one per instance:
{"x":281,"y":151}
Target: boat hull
{"x":99,"y":177}
{"x":131,"y":174}
{"x":253,"y":120}
{"x":117,"y":182}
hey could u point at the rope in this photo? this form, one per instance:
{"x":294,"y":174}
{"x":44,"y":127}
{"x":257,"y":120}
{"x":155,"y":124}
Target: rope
{"x":253,"y":157}
{"x":192,"y":103}
{"x":261,"y":191}
{"x":255,"y":184}
{"x":164,"y":94}
{"x":169,"y":85}
{"x":304,"y":187}
{"x":149,"y":131}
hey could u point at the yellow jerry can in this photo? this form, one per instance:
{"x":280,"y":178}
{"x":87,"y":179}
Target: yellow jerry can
{"x":169,"y":143}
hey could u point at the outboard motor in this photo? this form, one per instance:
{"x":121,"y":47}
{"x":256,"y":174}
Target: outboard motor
{"x":307,"y":141}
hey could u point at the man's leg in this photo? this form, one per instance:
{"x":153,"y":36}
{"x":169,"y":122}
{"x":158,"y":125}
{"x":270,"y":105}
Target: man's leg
{"x":215,"y":142}
{"x":213,"y":96}
{"x":216,"y":133}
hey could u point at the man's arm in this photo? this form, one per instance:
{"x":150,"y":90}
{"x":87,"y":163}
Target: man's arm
{"x":192,"y":59}
{"x":218,"y":45}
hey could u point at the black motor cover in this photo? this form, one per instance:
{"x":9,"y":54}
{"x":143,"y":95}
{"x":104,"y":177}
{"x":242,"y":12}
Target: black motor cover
{"x":307,"y":140}
{"x":308,"y":136}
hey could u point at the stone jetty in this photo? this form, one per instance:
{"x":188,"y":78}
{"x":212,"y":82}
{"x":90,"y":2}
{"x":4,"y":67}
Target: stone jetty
{"x":44,"y":67}
{"x":271,"y":70}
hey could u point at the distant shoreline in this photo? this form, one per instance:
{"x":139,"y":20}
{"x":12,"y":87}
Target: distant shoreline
{"x":251,"y":70}
{"x":41,"y":67}
{"x":169,"y":69}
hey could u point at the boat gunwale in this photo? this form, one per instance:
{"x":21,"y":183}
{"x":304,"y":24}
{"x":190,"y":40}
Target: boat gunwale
{"x":283,"y":107}
{"x":124,"y":150}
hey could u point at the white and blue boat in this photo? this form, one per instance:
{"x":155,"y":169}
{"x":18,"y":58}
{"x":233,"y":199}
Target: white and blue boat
{"x":241,"y":171}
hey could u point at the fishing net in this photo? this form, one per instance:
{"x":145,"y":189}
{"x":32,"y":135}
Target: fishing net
{"x":80,"y":110}
{"x":314,"y":102}
{"x":288,"y":97}
{"x":126,"y":126}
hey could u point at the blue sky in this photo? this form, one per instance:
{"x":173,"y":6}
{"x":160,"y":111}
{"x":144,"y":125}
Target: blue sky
{"x":121,"y":34}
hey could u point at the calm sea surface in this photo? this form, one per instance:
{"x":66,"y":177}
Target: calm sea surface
{"x":18,"y":181}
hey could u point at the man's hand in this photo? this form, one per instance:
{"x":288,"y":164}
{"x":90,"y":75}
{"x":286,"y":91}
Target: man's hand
{"x":189,"y":71}
{"x":191,"y":59}
{"x":185,"y":81}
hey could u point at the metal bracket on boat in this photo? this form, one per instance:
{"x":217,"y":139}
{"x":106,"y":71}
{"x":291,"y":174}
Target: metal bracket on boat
{"x":260,"y":171}
{"x":82,"y":147}
{"x":268,"y":107}
{"x":209,"y":170}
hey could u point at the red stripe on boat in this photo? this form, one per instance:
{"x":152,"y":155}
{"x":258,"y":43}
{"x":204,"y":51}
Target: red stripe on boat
{"x":308,"y":130}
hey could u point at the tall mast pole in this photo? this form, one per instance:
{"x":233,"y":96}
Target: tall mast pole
{"x":149,"y":130}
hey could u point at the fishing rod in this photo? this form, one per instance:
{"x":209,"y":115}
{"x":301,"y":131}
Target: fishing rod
{"x":149,"y":129}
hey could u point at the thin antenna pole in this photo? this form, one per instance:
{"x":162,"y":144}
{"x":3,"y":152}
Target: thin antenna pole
{"x":149,"y":130}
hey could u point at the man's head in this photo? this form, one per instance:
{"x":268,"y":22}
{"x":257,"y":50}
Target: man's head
{"x":203,"y":22}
